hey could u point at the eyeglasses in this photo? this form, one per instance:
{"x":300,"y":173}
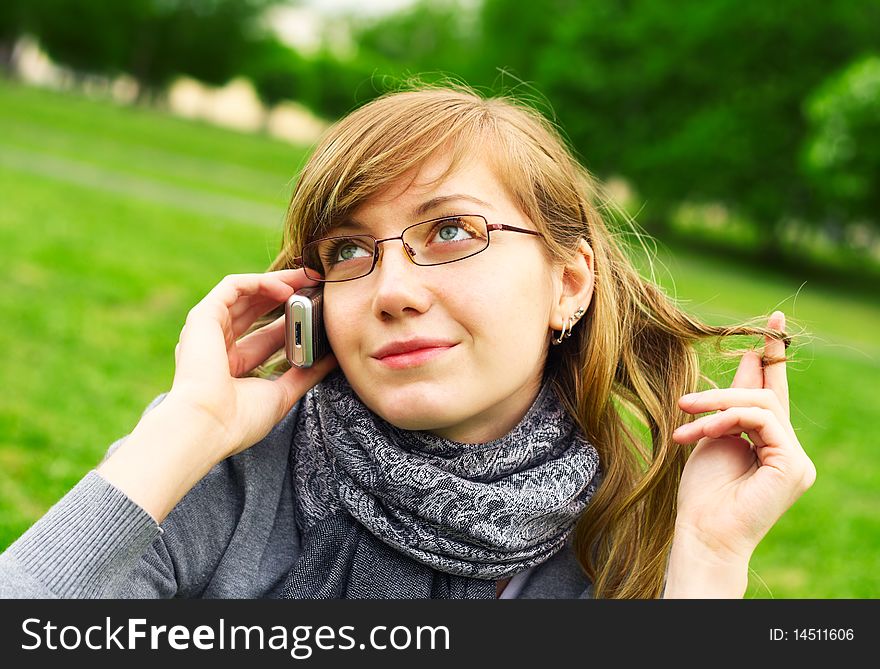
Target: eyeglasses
{"x":435,"y":242}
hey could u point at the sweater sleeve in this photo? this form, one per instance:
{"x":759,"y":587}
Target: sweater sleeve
{"x":93,"y":543}
{"x":86,"y":546}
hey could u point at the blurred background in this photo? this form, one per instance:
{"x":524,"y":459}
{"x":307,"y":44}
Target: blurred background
{"x":149,"y":147}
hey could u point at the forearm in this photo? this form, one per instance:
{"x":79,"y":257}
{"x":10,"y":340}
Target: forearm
{"x":168,"y":452}
{"x":695,"y":572}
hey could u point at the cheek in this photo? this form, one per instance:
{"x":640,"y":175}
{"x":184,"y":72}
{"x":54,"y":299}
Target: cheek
{"x":506,"y":315}
{"x":514,"y":312}
{"x":340,"y":318}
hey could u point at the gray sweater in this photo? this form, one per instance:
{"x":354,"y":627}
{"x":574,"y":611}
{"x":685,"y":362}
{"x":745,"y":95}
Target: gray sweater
{"x":234,"y":535}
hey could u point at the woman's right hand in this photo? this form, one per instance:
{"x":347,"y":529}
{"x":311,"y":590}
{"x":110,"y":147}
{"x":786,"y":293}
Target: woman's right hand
{"x":210,"y":359}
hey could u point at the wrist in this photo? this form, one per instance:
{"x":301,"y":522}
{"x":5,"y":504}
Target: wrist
{"x":177,"y":409}
{"x":698,"y":571}
{"x":168,"y":452}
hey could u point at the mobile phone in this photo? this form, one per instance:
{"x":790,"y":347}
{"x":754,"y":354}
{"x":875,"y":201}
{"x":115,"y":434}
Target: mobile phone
{"x":305,"y":341}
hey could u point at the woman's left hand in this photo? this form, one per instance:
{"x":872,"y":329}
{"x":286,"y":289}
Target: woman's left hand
{"x":733,"y":491}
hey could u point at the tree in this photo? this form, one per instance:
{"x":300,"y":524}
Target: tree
{"x":697,"y":99}
{"x":429,"y":37}
{"x":329,"y":85}
{"x":92,"y":36}
{"x":152,"y":40}
{"x":277,"y":71}
{"x":13,"y":22}
{"x":842,"y":152}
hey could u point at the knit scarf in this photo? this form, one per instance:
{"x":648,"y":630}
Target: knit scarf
{"x":387,"y":513}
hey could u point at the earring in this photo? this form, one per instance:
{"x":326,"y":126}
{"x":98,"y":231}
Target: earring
{"x":568,"y":325}
{"x":561,"y":334}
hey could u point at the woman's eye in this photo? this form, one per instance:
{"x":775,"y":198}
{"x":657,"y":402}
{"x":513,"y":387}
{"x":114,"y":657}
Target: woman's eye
{"x":343,"y":250}
{"x":452,"y":231}
{"x":350,"y":252}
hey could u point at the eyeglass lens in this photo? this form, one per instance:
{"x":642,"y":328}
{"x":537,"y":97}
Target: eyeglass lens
{"x":430,"y":243}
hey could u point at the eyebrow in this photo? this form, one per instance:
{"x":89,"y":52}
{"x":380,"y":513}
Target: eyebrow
{"x":421,"y":210}
{"x":435,"y":202}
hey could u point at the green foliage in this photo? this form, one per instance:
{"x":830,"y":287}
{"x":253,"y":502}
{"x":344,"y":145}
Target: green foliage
{"x":12,"y":19}
{"x":426,"y":37}
{"x":336,"y":86}
{"x":152,"y":40}
{"x":91,"y":36}
{"x":329,"y":85}
{"x":696,"y":100}
{"x":842,"y":156}
{"x":277,"y":71}
{"x":430,"y":40}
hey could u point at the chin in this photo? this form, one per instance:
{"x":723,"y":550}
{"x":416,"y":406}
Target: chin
{"x":412,"y":406}
{"x":413,"y":422}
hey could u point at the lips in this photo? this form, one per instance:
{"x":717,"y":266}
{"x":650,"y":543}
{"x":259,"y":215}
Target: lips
{"x":408,"y":346}
{"x":411,"y":353}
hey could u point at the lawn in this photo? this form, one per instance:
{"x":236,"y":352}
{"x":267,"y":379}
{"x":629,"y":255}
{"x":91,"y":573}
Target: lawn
{"x":115,"y":221}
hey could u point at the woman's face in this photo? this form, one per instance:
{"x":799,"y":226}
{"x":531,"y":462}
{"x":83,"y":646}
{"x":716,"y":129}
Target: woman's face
{"x":487,"y":317}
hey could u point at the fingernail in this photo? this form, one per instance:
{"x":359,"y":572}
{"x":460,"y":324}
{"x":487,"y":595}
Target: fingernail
{"x":690,"y":397}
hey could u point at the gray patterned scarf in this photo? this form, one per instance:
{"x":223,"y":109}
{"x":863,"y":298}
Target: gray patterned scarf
{"x":391,"y":513}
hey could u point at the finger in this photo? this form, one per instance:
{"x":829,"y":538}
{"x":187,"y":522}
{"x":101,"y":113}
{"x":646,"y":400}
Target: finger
{"x":246,"y":312}
{"x":772,"y":447}
{"x":209,"y":333}
{"x":241,"y":298}
{"x":201,"y":345}
{"x":234,"y":287}
{"x":762,"y":426}
{"x":749,"y":373}
{"x":293,"y":278}
{"x":253,"y":349}
{"x":718,"y":399}
{"x":775,"y":375}
{"x":259,"y":306}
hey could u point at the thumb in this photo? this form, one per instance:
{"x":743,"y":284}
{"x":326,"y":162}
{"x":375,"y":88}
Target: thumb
{"x":749,"y":374}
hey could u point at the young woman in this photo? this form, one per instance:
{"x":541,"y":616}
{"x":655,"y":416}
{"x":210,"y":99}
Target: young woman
{"x":475,"y":432}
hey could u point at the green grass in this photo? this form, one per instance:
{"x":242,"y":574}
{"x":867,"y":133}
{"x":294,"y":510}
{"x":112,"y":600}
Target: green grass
{"x":115,"y":221}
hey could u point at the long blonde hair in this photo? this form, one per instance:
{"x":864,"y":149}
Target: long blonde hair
{"x":632,"y":355}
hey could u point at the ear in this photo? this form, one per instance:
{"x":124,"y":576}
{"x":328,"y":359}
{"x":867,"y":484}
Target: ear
{"x":575,"y":281}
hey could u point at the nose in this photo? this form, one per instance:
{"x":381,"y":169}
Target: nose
{"x":399,"y":285}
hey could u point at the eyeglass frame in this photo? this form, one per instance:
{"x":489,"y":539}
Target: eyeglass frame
{"x":490,"y":227}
